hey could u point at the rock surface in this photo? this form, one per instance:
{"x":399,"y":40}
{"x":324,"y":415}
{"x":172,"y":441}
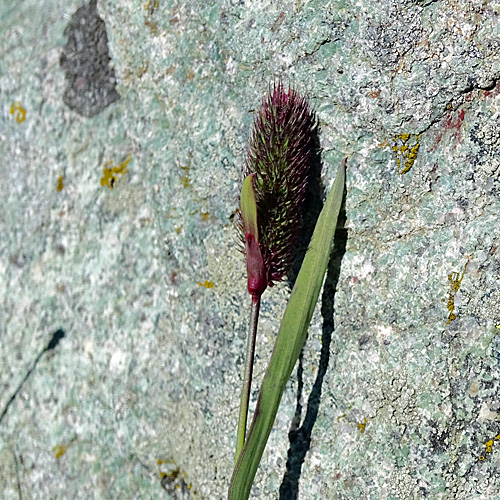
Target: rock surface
{"x":122,"y":299}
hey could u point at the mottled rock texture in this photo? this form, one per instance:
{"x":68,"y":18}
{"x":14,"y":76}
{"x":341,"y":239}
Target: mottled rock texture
{"x":397,"y":393}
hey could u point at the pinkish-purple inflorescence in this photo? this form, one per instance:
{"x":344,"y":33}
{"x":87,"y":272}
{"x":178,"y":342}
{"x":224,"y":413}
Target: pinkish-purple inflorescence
{"x":279,"y":155}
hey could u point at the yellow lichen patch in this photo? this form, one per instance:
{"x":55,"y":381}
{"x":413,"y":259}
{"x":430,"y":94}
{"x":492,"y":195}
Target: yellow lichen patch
{"x":489,"y":447}
{"x":168,"y":468}
{"x":108,"y":179}
{"x":60,"y":184}
{"x":172,"y":478}
{"x":185,"y":179}
{"x":18,"y":111}
{"x":206,"y":284}
{"x":59,"y":450}
{"x":361,"y":426}
{"x":454,"y":280}
{"x":204,"y":215}
{"x":110,"y":172}
{"x":151,"y":6}
{"x":406,"y":148}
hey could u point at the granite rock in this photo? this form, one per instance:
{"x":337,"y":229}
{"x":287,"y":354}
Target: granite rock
{"x":117,"y":231}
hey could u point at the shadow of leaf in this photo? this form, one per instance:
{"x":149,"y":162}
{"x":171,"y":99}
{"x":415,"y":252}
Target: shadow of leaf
{"x":300,"y":435}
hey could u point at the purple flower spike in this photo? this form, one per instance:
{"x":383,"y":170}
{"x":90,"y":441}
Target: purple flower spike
{"x":279,"y":157}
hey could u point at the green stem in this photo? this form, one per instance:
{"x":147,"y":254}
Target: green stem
{"x":247,"y":376}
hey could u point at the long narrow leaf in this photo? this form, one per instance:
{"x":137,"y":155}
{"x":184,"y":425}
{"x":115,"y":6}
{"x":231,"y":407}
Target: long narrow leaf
{"x":291,"y":338}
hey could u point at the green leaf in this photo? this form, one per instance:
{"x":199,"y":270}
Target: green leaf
{"x":291,"y":337}
{"x":249,"y":207}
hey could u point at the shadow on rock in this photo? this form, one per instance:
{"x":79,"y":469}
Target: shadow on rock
{"x":300,"y":435}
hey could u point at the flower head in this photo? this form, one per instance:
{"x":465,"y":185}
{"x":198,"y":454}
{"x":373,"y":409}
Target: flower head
{"x":277,"y":169}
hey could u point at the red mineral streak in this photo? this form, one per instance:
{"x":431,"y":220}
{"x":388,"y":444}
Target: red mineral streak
{"x":453,"y":123}
{"x":492,"y":93}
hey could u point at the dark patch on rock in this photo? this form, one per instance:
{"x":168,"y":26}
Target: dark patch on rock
{"x":86,"y":63}
{"x":439,"y":438}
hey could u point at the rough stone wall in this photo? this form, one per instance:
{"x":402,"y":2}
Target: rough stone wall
{"x":123,"y":308}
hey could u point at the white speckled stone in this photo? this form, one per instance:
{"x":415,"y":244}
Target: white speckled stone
{"x":143,"y":388}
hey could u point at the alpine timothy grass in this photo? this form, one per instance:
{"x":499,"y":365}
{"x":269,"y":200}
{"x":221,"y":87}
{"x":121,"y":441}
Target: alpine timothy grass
{"x":273,"y":192}
{"x":291,"y":337}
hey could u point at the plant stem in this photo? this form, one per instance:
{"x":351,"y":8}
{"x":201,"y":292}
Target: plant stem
{"x":247,"y":376}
